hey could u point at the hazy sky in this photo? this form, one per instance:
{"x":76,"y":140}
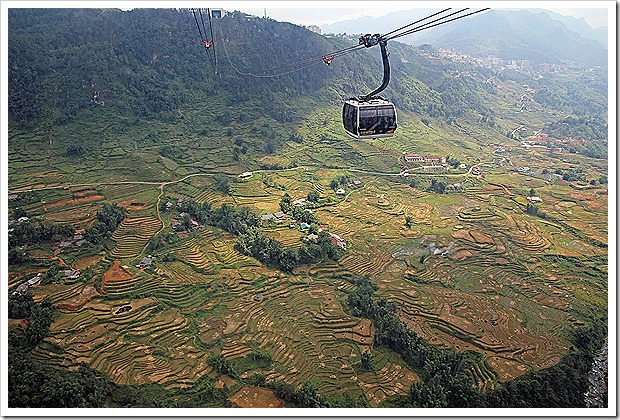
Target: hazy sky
{"x":325,"y":12}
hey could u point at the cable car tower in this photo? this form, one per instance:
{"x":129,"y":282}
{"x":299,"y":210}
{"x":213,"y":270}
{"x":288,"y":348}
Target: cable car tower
{"x":371,"y":116}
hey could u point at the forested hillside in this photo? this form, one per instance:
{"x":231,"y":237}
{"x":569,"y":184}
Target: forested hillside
{"x":149,"y":62}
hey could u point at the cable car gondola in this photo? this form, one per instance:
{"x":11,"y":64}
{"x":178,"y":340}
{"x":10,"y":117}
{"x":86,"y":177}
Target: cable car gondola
{"x":369,"y":119}
{"x":370,"y":116}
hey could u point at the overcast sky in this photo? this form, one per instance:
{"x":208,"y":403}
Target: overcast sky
{"x":326,"y":12}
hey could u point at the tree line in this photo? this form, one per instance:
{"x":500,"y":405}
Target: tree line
{"x":446,"y":381}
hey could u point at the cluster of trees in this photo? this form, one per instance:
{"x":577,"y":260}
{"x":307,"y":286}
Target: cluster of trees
{"x":573,"y":174}
{"x":34,"y":231}
{"x":453,"y":161}
{"x":75,"y":150}
{"x":270,"y":251}
{"x":52,"y":274}
{"x":437,"y":186}
{"x":245,"y":223}
{"x":19,"y":305}
{"x":336,"y":182}
{"x":34,"y":384}
{"x":161,"y":241}
{"x":532,"y":210}
{"x":108,"y":219}
{"x":298,"y":213}
{"x":446,"y":381}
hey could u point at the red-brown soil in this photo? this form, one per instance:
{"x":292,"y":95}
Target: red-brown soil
{"x":116,"y":273}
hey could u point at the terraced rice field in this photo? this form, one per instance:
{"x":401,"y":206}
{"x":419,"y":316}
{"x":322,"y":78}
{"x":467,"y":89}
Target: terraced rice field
{"x":132,"y":235}
{"x":472,"y":272}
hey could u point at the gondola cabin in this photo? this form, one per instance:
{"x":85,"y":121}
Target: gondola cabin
{"x":371,"y":119}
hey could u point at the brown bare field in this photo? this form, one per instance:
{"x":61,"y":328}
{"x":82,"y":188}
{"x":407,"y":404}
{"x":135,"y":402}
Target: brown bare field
{"x":75,"y":303}
{"x":72,"y":202}
{"x":84,"y":262}
{"x":255,"y":397}
{"x":116,"y":273}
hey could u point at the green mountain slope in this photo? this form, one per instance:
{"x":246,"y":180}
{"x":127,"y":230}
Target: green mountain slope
{"x":140,"y":79}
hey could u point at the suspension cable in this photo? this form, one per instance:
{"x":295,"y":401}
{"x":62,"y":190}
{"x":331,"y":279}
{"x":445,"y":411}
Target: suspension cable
{"x":417,"y":21}
{"x":275,"y":68}
{"x":213,"y":43}
{"x":428,"y":25}
{"x":312,"y":61}
{"x":204,"y":43}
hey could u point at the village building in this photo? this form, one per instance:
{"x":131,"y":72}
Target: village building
{"x":412,"y":158}
{"x":304,"y":226}
{"x":338,"y":241}
{"x":245,"y":175}
{"x":312,"y":237}
{"x":267,"y":217}
{"x":280,"y":216}
{"x":434,"y":159}
{"x":23,"y":288}
{"x":72,"y":274}
{"x":340,"y":191}
{"x":433,"y":168}
{"x":534,"y":199}
{"x":145,"y":262}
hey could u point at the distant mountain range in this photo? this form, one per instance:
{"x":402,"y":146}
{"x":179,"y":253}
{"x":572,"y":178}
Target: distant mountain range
{"x":532,"y":34}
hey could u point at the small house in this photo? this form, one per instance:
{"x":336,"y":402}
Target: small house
{"x":312,"y":237}
{"x":72,"y":274}
{"x":412,"y":158}
{"x":304,"y":226}
{"x":280,"y":216}
{"x":340,"y":191}
{"x":145,"y":262}
{"x":432,"y":168}
{"x":246,"y":175}
{"x":23,"y":288}
{"x":267,"y":217}
{"x":338,"y":241}
{"x":434,"y":159}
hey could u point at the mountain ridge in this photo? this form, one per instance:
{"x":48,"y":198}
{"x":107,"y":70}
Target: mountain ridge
{"x":580,"y":44}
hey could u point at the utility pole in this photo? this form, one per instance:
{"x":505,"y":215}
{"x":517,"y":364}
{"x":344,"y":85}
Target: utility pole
{"x":265,"y":12}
